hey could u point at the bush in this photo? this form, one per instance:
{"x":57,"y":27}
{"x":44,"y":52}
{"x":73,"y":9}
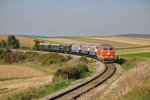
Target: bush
{"x":25,"y":48}
{"x":72,"y":72}
{"x":3,"y":44}
{"x":119,"y":60}
{"x":47,"y":61}
{"x":3,"y":53}
{"x":36,"y":45}
{"x":67,"y":58}
{"x":13,"y":42}
{"x":84,"y":59}
{"x":11,"y":57}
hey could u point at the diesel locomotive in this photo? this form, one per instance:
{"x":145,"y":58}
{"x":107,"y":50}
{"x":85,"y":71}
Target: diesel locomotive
{"x":103,"y":52}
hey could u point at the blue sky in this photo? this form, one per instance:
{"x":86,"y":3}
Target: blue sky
{"x":74,"y":17}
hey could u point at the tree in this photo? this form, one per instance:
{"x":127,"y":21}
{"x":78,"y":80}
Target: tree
{"x":13,"y":42}
{"x":3,"y":44}
{"x":36,"y":44}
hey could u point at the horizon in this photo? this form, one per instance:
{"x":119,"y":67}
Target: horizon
{"x":74,"y":17}
{"x":46,"y":36}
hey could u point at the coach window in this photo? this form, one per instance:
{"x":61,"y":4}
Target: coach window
{"x":110,"y":48}
{"x":105,"y":48}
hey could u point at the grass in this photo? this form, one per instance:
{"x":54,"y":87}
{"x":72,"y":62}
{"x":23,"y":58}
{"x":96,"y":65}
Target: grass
{"x":41,"y":63}
{"x":132,"y":60}
{"x":40,"y":68}
{"x":140,"y":93}
{"x":134,"y":84}
{"x":14,"y":78}
{"x":42,"y":91}
{"x":53,"y":87}
{"x":133,"y":51}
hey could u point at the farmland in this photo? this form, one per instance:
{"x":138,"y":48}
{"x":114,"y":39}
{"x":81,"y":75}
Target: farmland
{"x":128,"y":40}
{"x":36,"y":72}
{"x":10,"y":71}
{"x":133,"y":84}
{"x":115,"y":41}
{"x":25,"y":42}
{"x":65,"y":40}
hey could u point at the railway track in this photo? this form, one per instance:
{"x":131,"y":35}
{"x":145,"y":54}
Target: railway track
{"x":76,"y":92}
{"x":80,"y":89}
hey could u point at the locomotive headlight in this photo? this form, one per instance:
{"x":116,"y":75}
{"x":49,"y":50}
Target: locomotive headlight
{"x":95,"y":50}
{"x":108,"y":53}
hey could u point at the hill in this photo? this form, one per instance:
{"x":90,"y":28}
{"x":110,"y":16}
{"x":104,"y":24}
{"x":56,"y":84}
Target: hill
{"x":136,"y":35}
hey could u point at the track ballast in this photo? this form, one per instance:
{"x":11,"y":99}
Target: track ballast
{"x":76,"y":92}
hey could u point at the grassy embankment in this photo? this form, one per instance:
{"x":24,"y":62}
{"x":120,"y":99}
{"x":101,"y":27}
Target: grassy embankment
{"x":50,"y":64}
{"x":134,"y":84}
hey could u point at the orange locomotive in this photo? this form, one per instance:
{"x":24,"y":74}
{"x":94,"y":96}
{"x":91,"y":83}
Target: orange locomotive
{"x":105,"y":53}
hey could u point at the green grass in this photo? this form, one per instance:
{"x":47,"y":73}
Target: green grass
{"x":98,"y":41}
{"x":40,"y":68}
{"x":42,"y":91}
{"x":132,"y":59}
{"x":14,"y":78}
{"x":132,"y":51}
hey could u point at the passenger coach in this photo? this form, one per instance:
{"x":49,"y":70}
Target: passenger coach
{"x":103,"y":52}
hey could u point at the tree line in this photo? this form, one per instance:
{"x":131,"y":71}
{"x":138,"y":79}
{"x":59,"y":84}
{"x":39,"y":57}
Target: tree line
{"x":13,"y":42}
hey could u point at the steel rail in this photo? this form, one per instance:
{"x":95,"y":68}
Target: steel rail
{"x":84,"y":87}
{"x":77,"y":91}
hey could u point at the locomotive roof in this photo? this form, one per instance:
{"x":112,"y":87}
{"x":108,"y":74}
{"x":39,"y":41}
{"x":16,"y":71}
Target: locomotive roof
{"x":44,"y":43}
{"x":55,"y":44}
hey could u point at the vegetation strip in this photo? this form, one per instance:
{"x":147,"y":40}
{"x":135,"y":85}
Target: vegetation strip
{"x":69,"y":90}
{"x":92,"y":84}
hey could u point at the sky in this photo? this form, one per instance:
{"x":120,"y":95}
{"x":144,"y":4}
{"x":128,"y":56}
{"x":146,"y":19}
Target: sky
{"x":74,"y":17}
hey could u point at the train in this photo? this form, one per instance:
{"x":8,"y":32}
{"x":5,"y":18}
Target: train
{"x":103,"y":52}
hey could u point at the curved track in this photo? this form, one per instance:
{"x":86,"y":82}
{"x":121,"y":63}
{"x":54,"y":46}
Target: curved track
{"x":76,"y":92}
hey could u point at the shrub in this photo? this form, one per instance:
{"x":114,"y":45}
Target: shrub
{"x":84,"y":59}
{"x":13,"y":42}
{"x":25,"y":48}
{"x":47,"y":61}
{"x":13,"y":57}
{"x":67,"y":58}
{"x":36,"y":45}
{"x":3,"y":44}
{"x":3,"y":53}
{"x":72,"y":72}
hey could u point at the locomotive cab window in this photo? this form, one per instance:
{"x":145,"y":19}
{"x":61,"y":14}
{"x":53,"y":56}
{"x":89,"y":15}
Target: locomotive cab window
{"x":110,"y":48}
{"x":105,"y":48}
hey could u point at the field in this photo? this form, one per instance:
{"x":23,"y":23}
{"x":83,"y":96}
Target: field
{"x":11,"y":71}
{"x":25,"y":41}
{"x":133,"y":51}
{"x":35,"y":72}
{"x":36,"y":75}
{"x":116,"y":41}
{"x":15,"y":78}
{"x":133,"y":84}
{"x":64,"y":40}
{"x":128,"y":40}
